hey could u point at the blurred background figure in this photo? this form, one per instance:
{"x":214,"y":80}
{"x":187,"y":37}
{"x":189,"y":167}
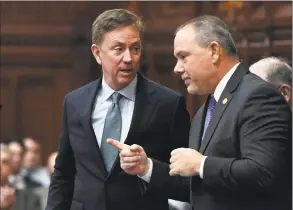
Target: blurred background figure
{"x":17,"y":151}
{"x":276,"y":71}
{"x":42,"y":192}
{"x":11,"y":198}
{"x":51,"y":162}
{"x":32,"y":169}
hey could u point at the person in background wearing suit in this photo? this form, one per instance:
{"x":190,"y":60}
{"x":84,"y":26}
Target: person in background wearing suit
{"x":42,"y":192}
{"x":10,"y":197}
{"x":240,"y":146}
{"x":276,"y":71}
{"x":123,"y":105}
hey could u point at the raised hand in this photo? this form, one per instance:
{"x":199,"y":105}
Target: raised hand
{"x":133,"y":159}
{"x":185,"y":162}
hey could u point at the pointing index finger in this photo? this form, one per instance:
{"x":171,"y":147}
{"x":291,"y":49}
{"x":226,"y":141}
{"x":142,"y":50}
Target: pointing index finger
{"x":117,"y":144}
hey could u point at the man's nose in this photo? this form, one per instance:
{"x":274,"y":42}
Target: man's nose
{"x":178,"y":69}
{"x":127,"y":56}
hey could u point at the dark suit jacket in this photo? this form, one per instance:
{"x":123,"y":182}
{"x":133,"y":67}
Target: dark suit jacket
{"x":26,"y":200}
{"x":160,"y":123}
{"x":248,"y":144}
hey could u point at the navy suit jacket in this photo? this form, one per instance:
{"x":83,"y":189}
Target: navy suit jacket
{"x":80,"y":181}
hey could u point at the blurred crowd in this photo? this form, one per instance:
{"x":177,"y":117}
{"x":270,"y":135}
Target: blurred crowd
{"x":24,"y":181}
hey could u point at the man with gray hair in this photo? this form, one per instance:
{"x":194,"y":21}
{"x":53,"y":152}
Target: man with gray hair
{"x":239,"y":154}
{"x":276,"y":71}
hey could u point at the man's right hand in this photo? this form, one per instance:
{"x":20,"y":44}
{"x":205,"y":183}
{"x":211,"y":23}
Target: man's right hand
{"x":133,"y":159}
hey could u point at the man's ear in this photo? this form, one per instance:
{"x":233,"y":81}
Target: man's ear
{"x":96,"y":53}
{"x":216,"y":50}
{"x":286,"y":91}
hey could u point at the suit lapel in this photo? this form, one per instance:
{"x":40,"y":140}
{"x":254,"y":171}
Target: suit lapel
{"x":224,"y":100}
{"x":197,"y":128}
{"x":145,"y":103}
{"x":220,"y":109}
{"x":143,"y":107}
{"x":87,"y":123}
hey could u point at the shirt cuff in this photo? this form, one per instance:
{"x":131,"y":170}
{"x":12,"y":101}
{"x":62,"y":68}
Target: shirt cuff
{"x":147,"y":176}
{"x":201,"y":167}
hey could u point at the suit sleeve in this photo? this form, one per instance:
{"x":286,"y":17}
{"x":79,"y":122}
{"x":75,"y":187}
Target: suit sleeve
{"x":161,"y":183}
{"x":179,"y":130}
{"x":264,"y":132}
{"x":62,"y":180}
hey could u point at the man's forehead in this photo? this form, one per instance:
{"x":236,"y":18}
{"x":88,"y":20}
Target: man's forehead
{"x":123,"y":32}
{"x":120,"y":40}
{"x":186,"y":33}
{"x":14,"y":145}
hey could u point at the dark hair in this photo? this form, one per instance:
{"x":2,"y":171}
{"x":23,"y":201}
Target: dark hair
{"x":113,"y":19}
{"x":210,"y":28}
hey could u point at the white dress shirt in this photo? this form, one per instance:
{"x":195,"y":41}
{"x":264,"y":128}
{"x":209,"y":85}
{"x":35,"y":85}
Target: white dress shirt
{"x":39,"y":175}
{"x":17,"y":181}
{"x":103,"y":103}
{"x":217,"y":94}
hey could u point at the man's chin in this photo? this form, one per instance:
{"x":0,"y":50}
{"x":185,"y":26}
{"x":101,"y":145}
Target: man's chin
{"x":126,"y":81}
{"x":195,"y":91}
{"x":191,"y":90}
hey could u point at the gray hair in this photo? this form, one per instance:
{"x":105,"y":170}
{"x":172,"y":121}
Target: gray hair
{"x":275,"y":70}
{"x":210,"y":28}
{"x":113,"y":19}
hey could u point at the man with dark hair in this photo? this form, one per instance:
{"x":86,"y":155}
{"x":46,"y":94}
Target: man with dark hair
{"x":124,"y":105}
{"x":32,"y":170}
{"x":240,"y":154}
{"x":17,"y":151}
{"x":276,"y":71}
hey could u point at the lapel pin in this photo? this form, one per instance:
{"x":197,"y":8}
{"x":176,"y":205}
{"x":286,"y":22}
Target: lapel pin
{"x":225,"y":100}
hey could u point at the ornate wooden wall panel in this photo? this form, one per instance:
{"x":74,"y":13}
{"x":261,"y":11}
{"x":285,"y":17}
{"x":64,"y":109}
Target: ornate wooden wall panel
{"x":50,"y":42}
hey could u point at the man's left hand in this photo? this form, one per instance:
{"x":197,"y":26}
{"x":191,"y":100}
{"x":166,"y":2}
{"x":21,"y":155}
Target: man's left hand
{"x":185,"y":162}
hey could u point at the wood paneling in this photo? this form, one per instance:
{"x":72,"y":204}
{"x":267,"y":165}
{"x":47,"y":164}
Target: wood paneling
{"x":31,"y":100}
{"x":35,"y":107}
{"x":45,"y":52}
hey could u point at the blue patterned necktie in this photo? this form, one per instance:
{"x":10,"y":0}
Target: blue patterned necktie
{"x":112,"y":129}
{"x":209,"y":114}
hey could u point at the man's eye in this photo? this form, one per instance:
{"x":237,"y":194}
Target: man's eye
{"x":182,"y":57}
{"x":136,"y":49}
{"x":118,"y":49}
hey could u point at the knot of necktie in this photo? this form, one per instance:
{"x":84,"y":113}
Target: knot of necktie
{"x":116,"y":97}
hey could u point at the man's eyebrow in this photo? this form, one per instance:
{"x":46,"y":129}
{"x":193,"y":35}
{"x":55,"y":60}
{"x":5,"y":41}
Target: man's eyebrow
{"x":136,"y":43}
{"x":116,"y":42}
{"x":180,"y":52}
{"x":176,"y":54}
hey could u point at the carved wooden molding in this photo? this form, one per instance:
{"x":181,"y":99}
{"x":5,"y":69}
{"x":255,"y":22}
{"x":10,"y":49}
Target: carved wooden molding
{"x":35,"y":30}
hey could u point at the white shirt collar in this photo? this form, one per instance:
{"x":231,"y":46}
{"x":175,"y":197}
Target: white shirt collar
{"x":222,"y":84}
{"x":129,"y":91}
